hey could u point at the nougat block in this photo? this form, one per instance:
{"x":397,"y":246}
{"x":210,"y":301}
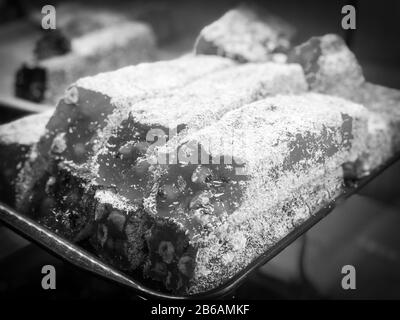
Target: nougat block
{"x":384,"y":103}
{"x":329,"y":65}
{"x":331,"y":68}
{"x":277,"y":161}
{"x":285,"y":152}
{"x":246,"y":34}
{"x":17,"y":139}
{"x":106,"y":49}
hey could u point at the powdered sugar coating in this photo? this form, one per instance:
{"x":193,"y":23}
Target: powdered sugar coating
{"x":246,"y":34}
{"x":329,"y":65}
{"x":256,"y":133}
{"x":148,"y":78}
{"x":25,"y":131}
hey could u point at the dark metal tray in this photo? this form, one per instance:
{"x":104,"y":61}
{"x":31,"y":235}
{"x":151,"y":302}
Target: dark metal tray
{"x":84,"y":260}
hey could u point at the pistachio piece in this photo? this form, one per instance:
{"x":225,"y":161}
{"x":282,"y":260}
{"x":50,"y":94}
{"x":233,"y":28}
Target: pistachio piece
{"x":166,"y":250}
{"x":102,"y":234}
{"x":79,"y":150}
{"x":201,"y":217}
{"x":186,"y":266}
{"x":218,"y":208}
{"x":59,"y":145}
{"x":141,"y":147}
{"x":181,"y":183}
{"x":160,"y":269}
{"x":126,"y":150}
{"x":201,"y":175}
{"x":169,"y":192}
{"x":50,"y":184}
{"x":200,"y":199}
{"x":141,"y":167}
{"x":71,"y":95}
{"x":133,"y":150}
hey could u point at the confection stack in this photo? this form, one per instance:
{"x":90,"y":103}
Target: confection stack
{"x":185,"y":171}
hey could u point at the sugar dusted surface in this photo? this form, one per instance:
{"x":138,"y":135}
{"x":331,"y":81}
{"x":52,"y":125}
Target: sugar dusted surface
{"x":207,"y":99}
{"x":130,"y":82}
{"x":25,"y":131}
{"x":243,"y":33}
{"x":116,"y":201}
{"x":257,"y":135}
{"x":329,"y":65}
{"x":256,"y":124}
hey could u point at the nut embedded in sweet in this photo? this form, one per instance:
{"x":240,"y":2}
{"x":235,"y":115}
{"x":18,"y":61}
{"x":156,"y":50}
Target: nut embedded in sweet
{"x":201,"y":175}
{"x":133,"y":150}
{"x":160,"y":269}
{"x":50,"y":185}
{"x":59,"y":144}
{"x":169,"y":192}
{"x":166,"y":250}
{"x":200,"y":200}
{"x":218,"y":208}
{"x":142,"y":167}
{"x":71,"y":96}
{"x":79,"y":150}
{"x":186,"y":266}
{"x":181,"y":183}
{"x":102,"y":234}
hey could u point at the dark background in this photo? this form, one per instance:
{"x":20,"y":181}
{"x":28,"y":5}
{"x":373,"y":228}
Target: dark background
{"x":363,"y":232}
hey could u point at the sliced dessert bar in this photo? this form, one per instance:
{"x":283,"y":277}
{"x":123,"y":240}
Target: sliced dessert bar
{"x":61,"y":60}
{"x":246,"y":34}
{"x":384,"y":123}
{"x":330,"y":67}
{"x":17,"y":139}
{"x":234,"y":189}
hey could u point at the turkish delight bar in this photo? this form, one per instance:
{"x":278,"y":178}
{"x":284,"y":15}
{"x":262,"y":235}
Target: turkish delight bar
{"x":246,"y":34}
{"x":243,"y":183}
{"x":330,"y":67}
{"x":17,"y":138}
{"x":83,"y":45}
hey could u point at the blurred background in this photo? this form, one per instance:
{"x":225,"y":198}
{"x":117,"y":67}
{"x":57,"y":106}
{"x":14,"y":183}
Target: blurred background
{"x":363,"y":231}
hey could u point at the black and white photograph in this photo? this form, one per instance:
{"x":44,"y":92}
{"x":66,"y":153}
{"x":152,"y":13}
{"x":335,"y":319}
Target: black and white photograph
{"x":196,"y":157}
